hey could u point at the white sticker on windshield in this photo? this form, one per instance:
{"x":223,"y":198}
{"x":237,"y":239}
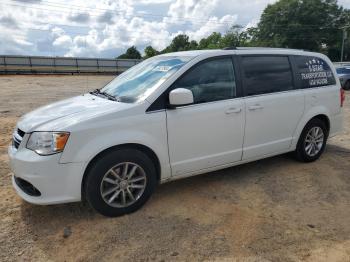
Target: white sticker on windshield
{"x":162,"y":68}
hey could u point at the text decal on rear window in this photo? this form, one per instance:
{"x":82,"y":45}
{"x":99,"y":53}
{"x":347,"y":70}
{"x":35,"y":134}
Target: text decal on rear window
{"x":314,"y":72}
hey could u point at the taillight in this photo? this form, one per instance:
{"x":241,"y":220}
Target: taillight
{"x":342,"y":97}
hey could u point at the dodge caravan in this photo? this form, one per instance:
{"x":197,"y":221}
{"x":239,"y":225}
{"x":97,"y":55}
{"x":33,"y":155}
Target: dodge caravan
{"x":173,"y":116}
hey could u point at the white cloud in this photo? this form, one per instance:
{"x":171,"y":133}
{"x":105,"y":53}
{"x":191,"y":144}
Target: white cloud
{"x":64,"y":41}
{"x":88,"y":28}
{"x":147,"y":2}
{"x":22,"y":42}
{"x":85,"y":45}
{"x":79,"y":17}
{"x":191,"y":9}
{"x":57,"y":32}
{"x":214,"y":24}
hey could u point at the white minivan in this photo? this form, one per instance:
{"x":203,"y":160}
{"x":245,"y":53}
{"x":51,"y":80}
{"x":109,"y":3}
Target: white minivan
{"x":173,"y":116}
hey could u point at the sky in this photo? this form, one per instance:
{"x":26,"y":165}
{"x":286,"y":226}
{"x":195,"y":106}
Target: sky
{"x":106,"y":28}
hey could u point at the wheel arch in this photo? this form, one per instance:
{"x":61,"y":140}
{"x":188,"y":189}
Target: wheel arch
{"x":319,"y":114}
{"x":145,"y":149}
{"x":323,"y":118}
{"x":300,"y":152}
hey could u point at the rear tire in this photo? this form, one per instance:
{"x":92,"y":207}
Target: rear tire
{"x":120,"y":182}
{"x":312,"y":141}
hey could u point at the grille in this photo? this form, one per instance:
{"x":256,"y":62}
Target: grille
{"x":17,"y":138}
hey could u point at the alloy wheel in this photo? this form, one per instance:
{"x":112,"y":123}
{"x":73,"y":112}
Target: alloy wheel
{"x":123,"y":184}
{"x":314,"y":141}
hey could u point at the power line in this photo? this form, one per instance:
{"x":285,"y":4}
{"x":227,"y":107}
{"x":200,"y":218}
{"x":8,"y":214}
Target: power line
{"x":131,"y":37}
{"x":215,"y":23}
{"x":79,"y":7}
{"x":181,"y":19}
{"x":55,"y":4}
{"x":128,"y":31}
{"x":94,"y":15}
{"x":79,"y":27}
{"x":78,"y":10}
{"x":149,"y":40}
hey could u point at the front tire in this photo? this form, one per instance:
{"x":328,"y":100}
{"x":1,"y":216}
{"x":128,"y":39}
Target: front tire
{"x":312,"y":141}
{"x":120,"y":182}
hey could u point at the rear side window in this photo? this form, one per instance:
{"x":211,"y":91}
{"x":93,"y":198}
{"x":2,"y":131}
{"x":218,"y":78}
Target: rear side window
{"x":313,"y":72}
{"x":210,"y":80}
{"x":266,"y":74}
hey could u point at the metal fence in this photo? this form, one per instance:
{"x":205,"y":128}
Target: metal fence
{"x":12,"y":64}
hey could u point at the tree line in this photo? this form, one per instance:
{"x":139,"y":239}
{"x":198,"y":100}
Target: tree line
{"x":313,"y":25}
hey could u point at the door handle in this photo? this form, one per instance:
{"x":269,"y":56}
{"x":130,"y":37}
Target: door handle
{"x":255,"y":107}
{"x":233,"y":110}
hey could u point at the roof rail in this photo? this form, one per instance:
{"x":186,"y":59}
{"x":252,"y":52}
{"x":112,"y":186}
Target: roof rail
{"x":268,"y":48}
{"x":230,"y":48}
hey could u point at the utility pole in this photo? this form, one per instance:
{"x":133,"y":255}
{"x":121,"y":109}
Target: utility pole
{"x":345,"y":36}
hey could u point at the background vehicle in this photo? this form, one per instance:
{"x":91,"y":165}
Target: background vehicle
{"x":174,"y":116}
{"x":344,"y":76}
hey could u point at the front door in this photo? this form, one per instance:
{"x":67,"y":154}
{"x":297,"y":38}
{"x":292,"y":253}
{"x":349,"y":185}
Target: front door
{"x":208,"y":133}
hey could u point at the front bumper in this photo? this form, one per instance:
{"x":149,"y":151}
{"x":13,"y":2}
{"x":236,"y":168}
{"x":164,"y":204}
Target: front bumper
{"x":57,"y":183}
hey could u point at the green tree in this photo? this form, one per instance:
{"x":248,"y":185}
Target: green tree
{"x":335,"y":50}
{"x":131,"y":53}
{"x":235,"y":37}
{"x":252,"y":36}
{"x":211,"y":42}
{"x":150,"y":51}
{"x":179,"y":43}
{"x":312,"y":25}
{"x":193,"y":45}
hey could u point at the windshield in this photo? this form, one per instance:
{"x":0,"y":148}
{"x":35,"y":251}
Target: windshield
{"x":343,"y":70}
{"x":142,"y":79}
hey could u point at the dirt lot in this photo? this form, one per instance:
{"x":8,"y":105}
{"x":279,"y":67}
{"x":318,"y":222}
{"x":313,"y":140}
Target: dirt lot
{"x":271,"y":210}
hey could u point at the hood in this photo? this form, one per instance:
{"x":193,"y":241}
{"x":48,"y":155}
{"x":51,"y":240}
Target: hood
{"x":64,"y":109}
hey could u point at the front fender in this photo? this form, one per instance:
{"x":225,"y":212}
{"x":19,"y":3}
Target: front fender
{"x":150,"y":131}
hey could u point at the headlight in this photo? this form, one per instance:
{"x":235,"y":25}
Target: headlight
{"x":47,"y":143}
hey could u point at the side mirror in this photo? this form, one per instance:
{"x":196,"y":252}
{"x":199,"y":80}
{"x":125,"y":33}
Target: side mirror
{"x":180,"y":97}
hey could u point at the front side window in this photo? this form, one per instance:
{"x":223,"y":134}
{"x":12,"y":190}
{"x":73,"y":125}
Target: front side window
{"x":266,"y":74}
{"x":142,"y":79}
{"x":210,"y":80}
{"x":313,"y":72}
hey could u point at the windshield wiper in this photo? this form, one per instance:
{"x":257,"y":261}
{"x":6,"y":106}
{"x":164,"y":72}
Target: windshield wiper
{"x":100,"y":93}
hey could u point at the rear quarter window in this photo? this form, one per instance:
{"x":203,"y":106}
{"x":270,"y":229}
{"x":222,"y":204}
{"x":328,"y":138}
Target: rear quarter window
{"x":313,"y":72}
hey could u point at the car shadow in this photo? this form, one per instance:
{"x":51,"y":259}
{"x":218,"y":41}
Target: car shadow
{"x":39,"y":218}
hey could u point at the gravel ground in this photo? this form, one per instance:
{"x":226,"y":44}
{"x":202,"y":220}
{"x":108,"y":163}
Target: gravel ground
{"x":271,"y":210}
